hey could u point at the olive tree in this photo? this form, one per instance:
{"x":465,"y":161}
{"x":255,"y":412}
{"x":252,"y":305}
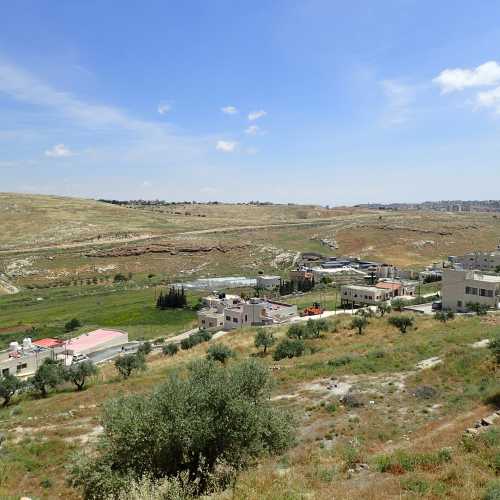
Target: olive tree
{"x":9,"y":385}
{"x":219,"y":352}
{"x":297,"y":331}
{"x":384,"y":308}
{"x":128,"y":363}
{"x":176,"y":430}
{"x":48,"y":375}
{"x":264,"y":339}
{"x":398,"y":304}
{"x":359,"y":323}
{"x":401,"y":322}
{"x":79,"y":372}
{"x":289,"y":348}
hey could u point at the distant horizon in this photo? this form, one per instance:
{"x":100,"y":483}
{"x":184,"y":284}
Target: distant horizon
{"x":248,"y":202}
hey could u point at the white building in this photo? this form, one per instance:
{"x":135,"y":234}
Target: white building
{"x":257,"y":312}
{"x":344,"y":274}
{"x":268,"y":282}
{"x":462,"y":287}
{"x":358,"y":295}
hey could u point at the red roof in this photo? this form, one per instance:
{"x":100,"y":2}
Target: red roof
{"x":388,"y":286}
{"x":47,"y":343}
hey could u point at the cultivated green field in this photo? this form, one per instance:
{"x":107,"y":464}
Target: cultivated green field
{"x":132,"y":310}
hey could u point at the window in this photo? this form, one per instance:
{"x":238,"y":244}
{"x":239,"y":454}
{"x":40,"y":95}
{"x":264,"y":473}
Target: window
{"x":485,"y":293}
{"x":228,"y":318}
{"x":22,"y":366}
{"x":202,"y":321}
{"x":470,"y":290}
{"x":235,"y":320}
{"x":246,"y":318}
{"x":459,"y":303}
{"x":5,"y":371}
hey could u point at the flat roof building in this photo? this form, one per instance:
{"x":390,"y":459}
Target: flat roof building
{"x":95,"y":341}
{"x":268,"y":282}
{"x":462,"y":287}
{"x":358,"y":295}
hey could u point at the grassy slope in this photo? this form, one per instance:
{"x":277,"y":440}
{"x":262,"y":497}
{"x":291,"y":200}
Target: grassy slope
{"x":332,"y":437}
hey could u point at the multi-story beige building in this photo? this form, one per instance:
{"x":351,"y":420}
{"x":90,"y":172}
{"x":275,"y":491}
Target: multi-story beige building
{"x":257,"y":312}
{"x":461,"y":287}
{"x":357,"y":295}
{"x":483,"y":261}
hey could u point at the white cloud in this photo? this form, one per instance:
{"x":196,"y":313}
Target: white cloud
{"x":146,"y":184}
{"x":59,"y":151}
{"x":252,"y":130}
{"x":484,"y":75}
{"x":229,"y":110}
{"x":400,"y":96}
{"x":255,"y":115}
{"x":164,"y":108}
{"x":489,"y":99}
{"x":226,"y":146}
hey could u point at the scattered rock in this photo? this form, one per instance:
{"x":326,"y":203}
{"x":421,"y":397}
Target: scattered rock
{"x":429,"y":363}
{"x":480,"y":343}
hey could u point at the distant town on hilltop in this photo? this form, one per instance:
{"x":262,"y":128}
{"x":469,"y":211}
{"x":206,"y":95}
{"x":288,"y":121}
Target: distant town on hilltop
{"x":443,"y":206}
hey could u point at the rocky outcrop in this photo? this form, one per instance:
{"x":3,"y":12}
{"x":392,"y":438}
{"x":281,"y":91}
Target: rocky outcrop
{"x":170,"y":249}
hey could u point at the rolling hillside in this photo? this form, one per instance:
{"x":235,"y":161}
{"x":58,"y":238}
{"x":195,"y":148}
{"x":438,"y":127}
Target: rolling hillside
{"x":49,"y":239}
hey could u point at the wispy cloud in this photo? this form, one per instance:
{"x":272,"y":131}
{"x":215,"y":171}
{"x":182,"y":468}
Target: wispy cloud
{"x":23,"y":86}
{"x":128,"y":141}
{"x":255,"y":115}
{"x":164,"y":108}
{"x":252,"y":130}
{"x":59,"y":151}
{"x":229,"y":110}
{"x":400,"y":97}
{"x":226,"y":146}
{"x":484,"y":75}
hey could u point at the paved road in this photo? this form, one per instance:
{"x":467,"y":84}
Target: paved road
{"x":112,"y":352}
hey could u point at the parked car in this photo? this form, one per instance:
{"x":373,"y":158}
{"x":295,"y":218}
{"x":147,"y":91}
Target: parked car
{"x":437,"y":305}
{"x":79,"y":358}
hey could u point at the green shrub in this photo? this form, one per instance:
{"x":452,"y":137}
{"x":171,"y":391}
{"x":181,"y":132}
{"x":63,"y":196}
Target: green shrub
{"x":341,"y":361}
{"x":170,"y":349}
{"x":72,"y":324}
{"x":129,"y":363}
{"x":187,"y":343}
{"x":416,"y":485}
{"x":178,"y":427}
{"x":492,"y":491}
{"x":219,"y":352}
{"x":288,"y":348}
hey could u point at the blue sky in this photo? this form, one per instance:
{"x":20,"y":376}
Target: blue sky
{"x":315,"y":101}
